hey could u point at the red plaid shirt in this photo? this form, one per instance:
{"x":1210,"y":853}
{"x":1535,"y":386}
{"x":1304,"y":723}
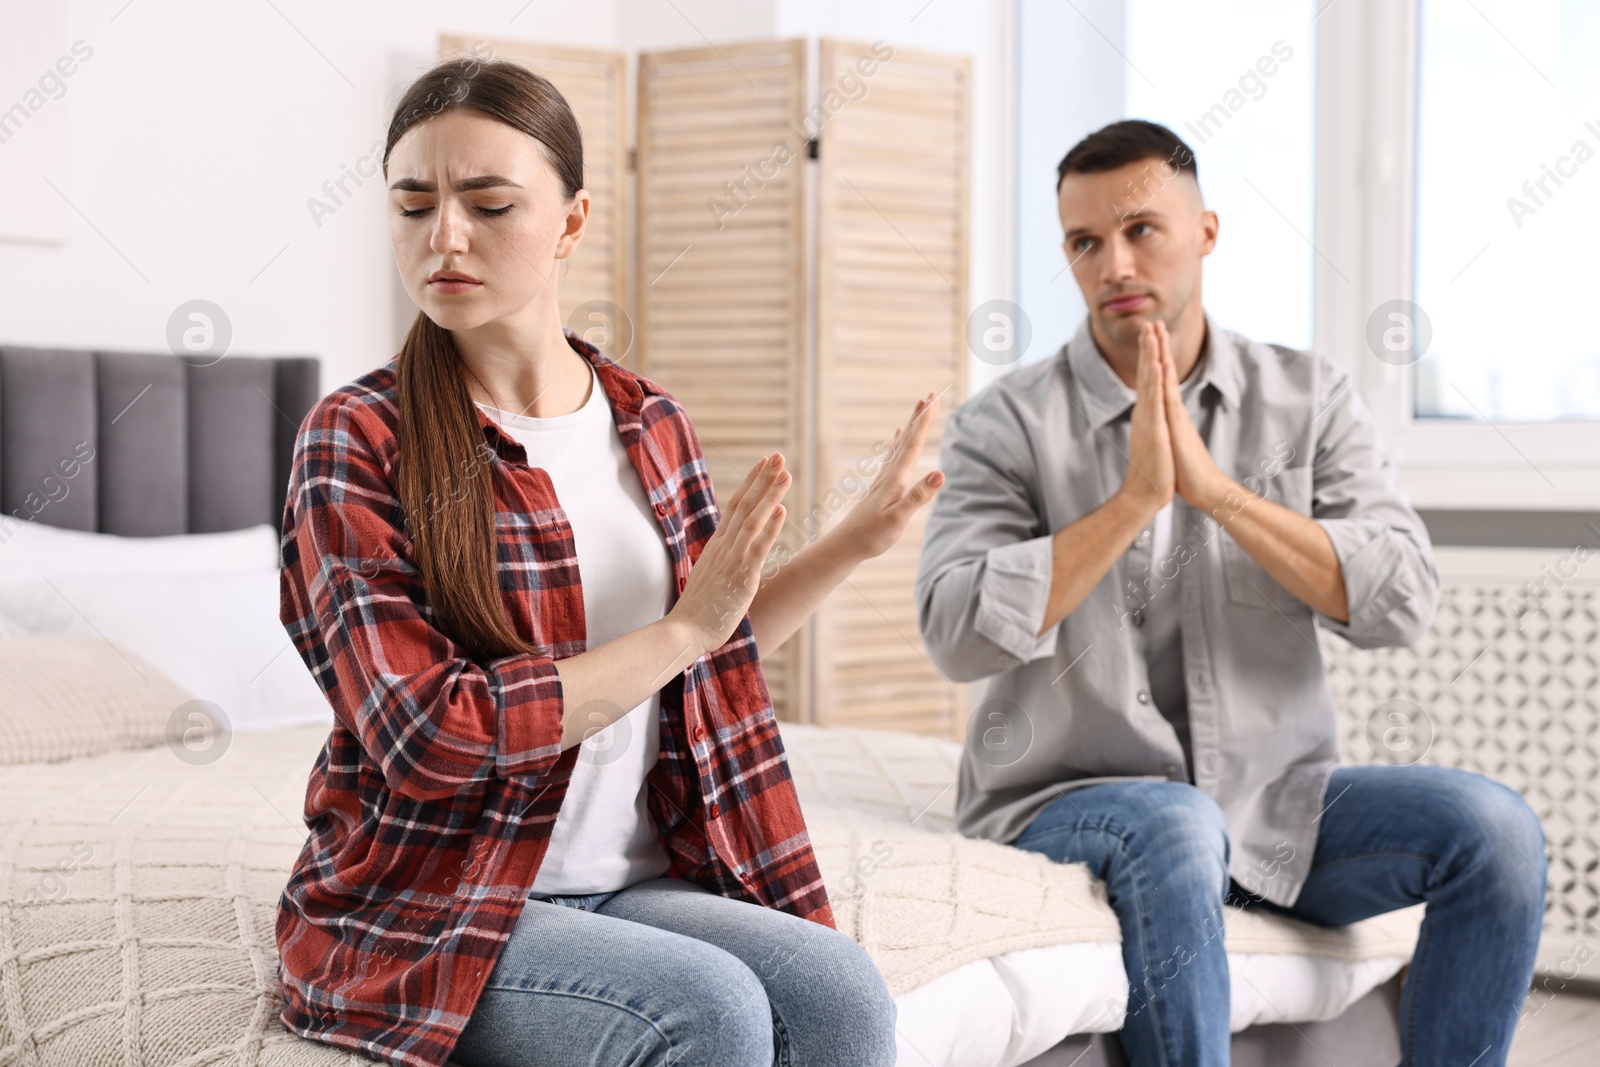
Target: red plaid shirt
{"x":432,"y":802}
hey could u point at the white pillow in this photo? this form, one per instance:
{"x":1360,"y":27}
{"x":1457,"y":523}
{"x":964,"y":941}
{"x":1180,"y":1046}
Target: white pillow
{"x":215,"y":633}
{"x":32,"y":549}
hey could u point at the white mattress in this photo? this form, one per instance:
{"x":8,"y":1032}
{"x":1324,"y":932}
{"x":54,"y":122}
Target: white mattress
{"x":1005,"y":1010}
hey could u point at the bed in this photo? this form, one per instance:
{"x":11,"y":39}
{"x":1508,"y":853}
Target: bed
{"x":151,"y":818}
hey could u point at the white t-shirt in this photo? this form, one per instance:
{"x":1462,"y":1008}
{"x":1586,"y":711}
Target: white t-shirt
{"x":1161,"y":534}
{"x":604,"y":837}
{"x":1162,"y":634}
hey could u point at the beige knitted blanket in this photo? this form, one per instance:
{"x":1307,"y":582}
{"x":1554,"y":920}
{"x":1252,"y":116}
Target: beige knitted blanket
{"x":138,"y":893}
{"x":938,"y":900}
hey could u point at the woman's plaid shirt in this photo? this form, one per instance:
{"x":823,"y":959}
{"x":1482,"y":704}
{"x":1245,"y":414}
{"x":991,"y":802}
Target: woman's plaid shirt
{"x":432,"y":802}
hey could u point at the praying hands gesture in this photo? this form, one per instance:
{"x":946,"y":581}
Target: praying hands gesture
{"x":1166,"y":455}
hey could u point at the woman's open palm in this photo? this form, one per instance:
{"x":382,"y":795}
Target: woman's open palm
{"x":879,"y":518}
{"x":727,"y":573}
{"x":726,"y":576}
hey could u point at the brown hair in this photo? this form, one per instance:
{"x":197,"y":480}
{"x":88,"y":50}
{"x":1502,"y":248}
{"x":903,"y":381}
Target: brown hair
{"x":1121,"y":143}
{"x":450,"y":517}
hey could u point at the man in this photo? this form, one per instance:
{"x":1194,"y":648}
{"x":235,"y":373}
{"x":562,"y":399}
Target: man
{"x":1135,"y":542}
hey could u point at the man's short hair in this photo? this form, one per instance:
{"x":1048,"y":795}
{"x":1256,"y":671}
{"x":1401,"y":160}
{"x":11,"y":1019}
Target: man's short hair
{"x":1126,"y":142}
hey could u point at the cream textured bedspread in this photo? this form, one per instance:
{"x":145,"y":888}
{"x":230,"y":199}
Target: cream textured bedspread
{"x":138,"y":893}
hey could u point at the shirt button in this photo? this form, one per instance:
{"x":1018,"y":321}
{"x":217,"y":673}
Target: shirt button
{"x":659,"y":508}
{"x":716,"y":809}
{"x":699,"y":733}
{"x":1143,"y":696}
{"x":1138,"y":617}
{"x":1144,"y":538}
{"x":681,"y":583}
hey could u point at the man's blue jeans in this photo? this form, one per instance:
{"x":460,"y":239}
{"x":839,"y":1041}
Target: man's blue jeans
{"x":1390,"y":837}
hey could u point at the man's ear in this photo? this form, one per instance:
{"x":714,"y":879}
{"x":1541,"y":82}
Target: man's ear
{"x":1208,"y":232}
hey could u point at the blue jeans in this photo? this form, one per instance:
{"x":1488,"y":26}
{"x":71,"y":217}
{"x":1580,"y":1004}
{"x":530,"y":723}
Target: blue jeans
{"x":1390,"y":837}
{"x":666,"y":972}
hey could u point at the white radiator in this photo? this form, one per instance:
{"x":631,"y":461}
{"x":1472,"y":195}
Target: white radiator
{"x":1504,"y":684}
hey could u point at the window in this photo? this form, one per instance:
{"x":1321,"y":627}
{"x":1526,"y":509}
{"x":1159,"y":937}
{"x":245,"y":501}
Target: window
{"x":1508,"y":209}
{"x":1235,"y":80}
{"x":1413,"y":167}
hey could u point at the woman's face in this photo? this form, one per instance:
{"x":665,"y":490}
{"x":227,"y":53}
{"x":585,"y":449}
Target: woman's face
{"x":471,"y":195}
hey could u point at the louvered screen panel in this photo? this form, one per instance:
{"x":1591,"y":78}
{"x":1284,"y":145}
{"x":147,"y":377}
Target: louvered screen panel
{"x":721,"y":313}
{"x":595,"y":85}
{"x":891,"y":325}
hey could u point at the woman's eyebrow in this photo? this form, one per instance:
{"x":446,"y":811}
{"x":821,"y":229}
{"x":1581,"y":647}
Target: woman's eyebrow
{"x":466,"y":185}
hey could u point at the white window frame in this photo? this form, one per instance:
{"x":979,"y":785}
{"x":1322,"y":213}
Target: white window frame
{"x":1365,"y":195}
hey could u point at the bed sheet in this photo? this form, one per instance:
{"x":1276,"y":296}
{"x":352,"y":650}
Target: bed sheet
{"x":1005,"y":1010}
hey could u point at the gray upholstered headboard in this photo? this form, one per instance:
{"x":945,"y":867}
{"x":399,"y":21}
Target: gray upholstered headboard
{"x":178,"y":446}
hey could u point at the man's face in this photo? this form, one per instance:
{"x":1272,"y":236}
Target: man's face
{"x":1134,"y":237}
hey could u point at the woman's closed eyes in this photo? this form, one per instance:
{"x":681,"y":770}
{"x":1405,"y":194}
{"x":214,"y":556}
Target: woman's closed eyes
{"x":492,"y":212}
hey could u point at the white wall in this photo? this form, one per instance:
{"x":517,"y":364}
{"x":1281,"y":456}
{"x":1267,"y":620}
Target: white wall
{"x":32,"y":49}
{"x":198,"y":134}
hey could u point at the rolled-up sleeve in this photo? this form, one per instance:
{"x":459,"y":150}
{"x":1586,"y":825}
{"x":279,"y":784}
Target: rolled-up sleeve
{"x":435,"y":721}
{"x":983,"y":579}
{"x":1391,"y":583}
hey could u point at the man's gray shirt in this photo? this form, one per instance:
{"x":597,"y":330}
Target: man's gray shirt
{"x":1047,"y":444}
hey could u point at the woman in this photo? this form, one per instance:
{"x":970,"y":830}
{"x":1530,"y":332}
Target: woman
{"x":501,"y":544}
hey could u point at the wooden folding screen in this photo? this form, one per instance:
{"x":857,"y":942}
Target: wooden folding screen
{"x":879,"y":238}
{"x":595,"y":85}
{"x":722,"y":266}
{"x":891,"y":325}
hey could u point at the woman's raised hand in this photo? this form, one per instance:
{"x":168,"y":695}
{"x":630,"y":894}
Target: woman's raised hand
{"x":725,"y":577}
{"x":879,"y":518}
